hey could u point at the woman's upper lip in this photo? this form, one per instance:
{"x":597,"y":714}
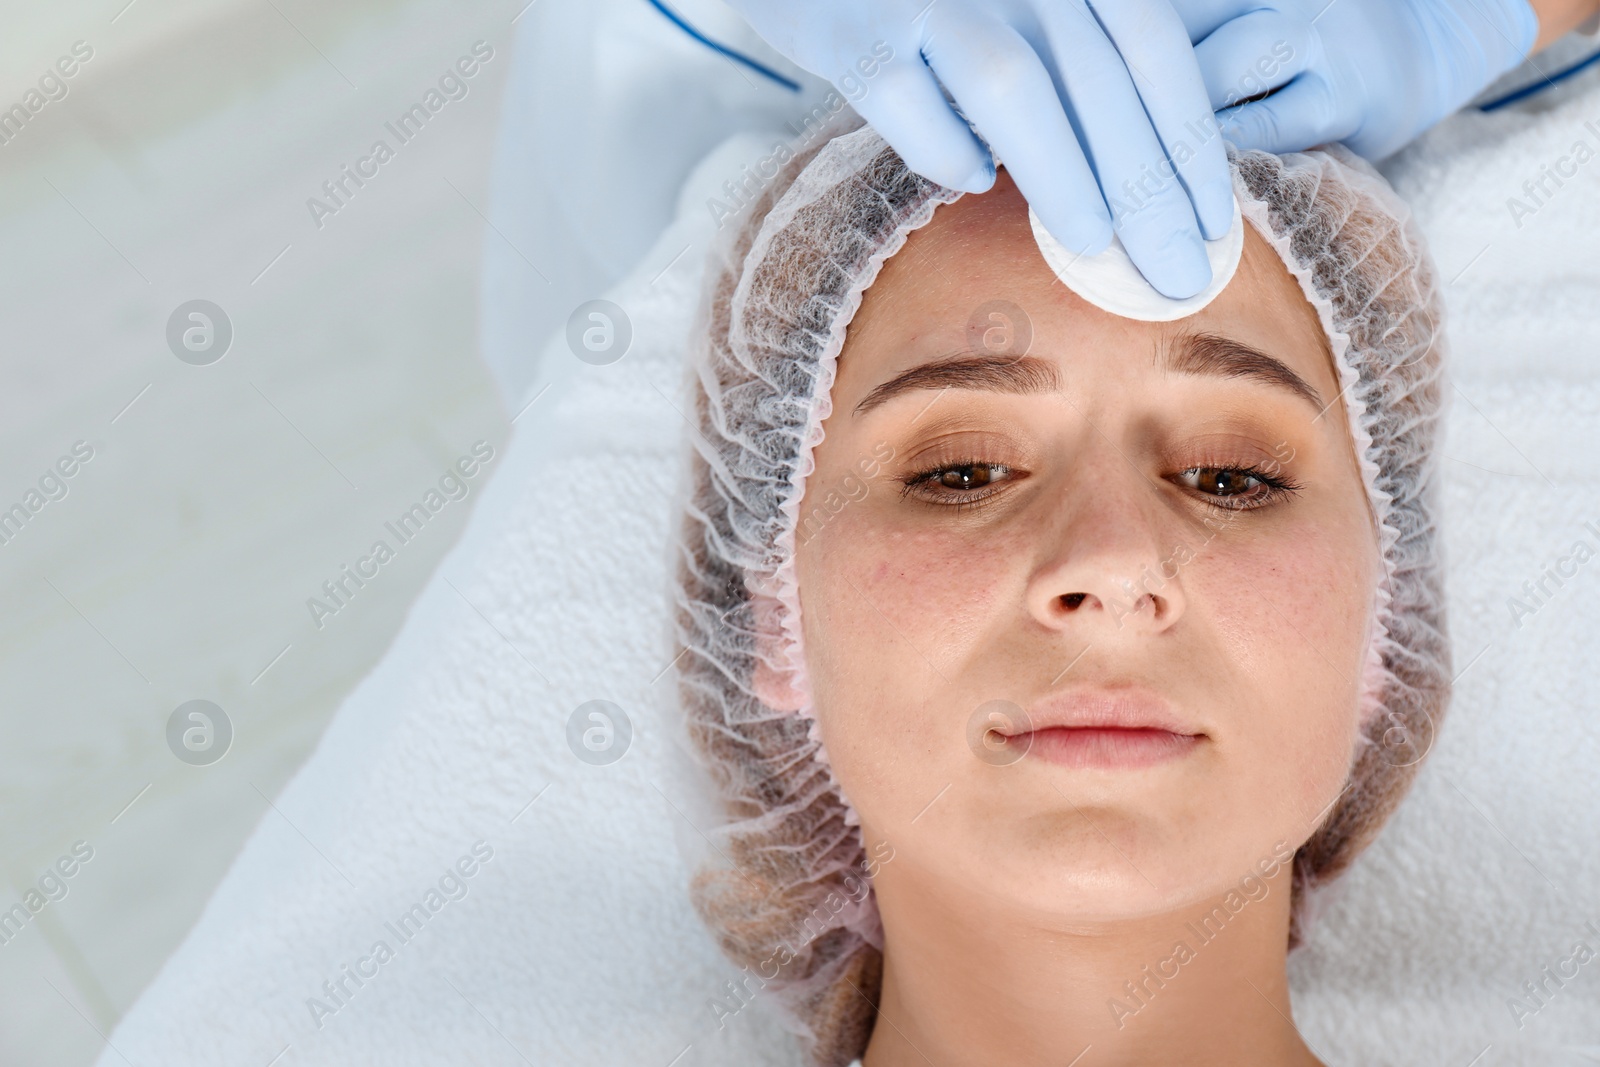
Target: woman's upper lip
{"x":1101,"y":708}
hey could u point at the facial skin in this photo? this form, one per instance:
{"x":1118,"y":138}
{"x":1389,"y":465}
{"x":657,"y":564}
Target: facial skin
{"x":1076,"y":540}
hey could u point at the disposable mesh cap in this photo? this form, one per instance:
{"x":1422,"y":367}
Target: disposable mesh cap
{"x":781,"y":291}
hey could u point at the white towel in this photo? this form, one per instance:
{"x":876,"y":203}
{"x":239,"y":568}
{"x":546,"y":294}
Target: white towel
{"x":1490,"y":871}
{"x":575,"y":944}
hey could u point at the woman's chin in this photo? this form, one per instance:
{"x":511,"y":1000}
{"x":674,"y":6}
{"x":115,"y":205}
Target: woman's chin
{"x":1071,"y":870}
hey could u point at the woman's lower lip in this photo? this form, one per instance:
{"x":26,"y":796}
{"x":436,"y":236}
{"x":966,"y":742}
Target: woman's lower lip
{"x":1102,"y":747}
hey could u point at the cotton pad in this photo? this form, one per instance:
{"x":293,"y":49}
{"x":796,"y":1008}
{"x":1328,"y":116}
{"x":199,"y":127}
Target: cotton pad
{"x":1112,"y":283}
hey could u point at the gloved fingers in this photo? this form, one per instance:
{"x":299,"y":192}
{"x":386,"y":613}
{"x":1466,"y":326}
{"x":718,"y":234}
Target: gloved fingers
{"x":1155,"y":49}
{"x":905,"y":104}
{"x":1202,"y":18}
{"x":1299,"y":116}
{"x":1153,"y":213}
{"x":1253,"y":54}
{"x":1003,"y":87}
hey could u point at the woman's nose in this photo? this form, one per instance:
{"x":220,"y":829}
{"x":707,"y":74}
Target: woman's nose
{"x":1103,"y":564}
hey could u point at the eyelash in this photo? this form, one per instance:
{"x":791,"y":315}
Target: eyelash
{"x":917,"y":484}
{"x":1275,"y":486}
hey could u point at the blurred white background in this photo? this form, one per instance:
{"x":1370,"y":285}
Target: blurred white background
{"x":219,"y":497}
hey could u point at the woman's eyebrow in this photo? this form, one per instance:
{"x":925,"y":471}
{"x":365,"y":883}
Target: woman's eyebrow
{"x":1000,"y":374}
{"x":1222,"y":357}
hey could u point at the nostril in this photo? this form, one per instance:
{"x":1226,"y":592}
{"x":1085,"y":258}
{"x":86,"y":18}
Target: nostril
{"x":1071,"y":600}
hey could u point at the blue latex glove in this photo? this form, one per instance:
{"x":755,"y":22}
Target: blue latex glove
{"x":1084,"y":108}
{"x":1371,"y":73}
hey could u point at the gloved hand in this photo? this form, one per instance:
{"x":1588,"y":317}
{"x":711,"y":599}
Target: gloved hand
{"x":1371,"y":73}
{"x":1075,"y":103}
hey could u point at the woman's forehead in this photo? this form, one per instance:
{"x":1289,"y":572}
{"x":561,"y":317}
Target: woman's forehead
{"x":978,"y":254}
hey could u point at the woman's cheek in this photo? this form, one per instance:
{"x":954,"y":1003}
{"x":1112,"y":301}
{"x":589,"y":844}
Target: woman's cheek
{"x":1330,"y":577}
{"x":1293,"y":604}
{"x":1291,"y":614}
{"x":920,"y":579}
{"x":885,"y":599}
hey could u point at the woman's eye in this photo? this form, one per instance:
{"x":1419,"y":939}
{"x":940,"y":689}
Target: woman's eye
{"x":958,"y":482}
{"x":1236,"y":487}
{"x":970,"y":476}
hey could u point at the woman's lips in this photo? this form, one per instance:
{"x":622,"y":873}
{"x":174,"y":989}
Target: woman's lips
{"x":1103,"y":727}
{"x":1104,"y":747}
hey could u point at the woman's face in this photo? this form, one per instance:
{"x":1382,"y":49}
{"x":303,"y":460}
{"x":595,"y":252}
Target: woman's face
{"x":1084,"y":627}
